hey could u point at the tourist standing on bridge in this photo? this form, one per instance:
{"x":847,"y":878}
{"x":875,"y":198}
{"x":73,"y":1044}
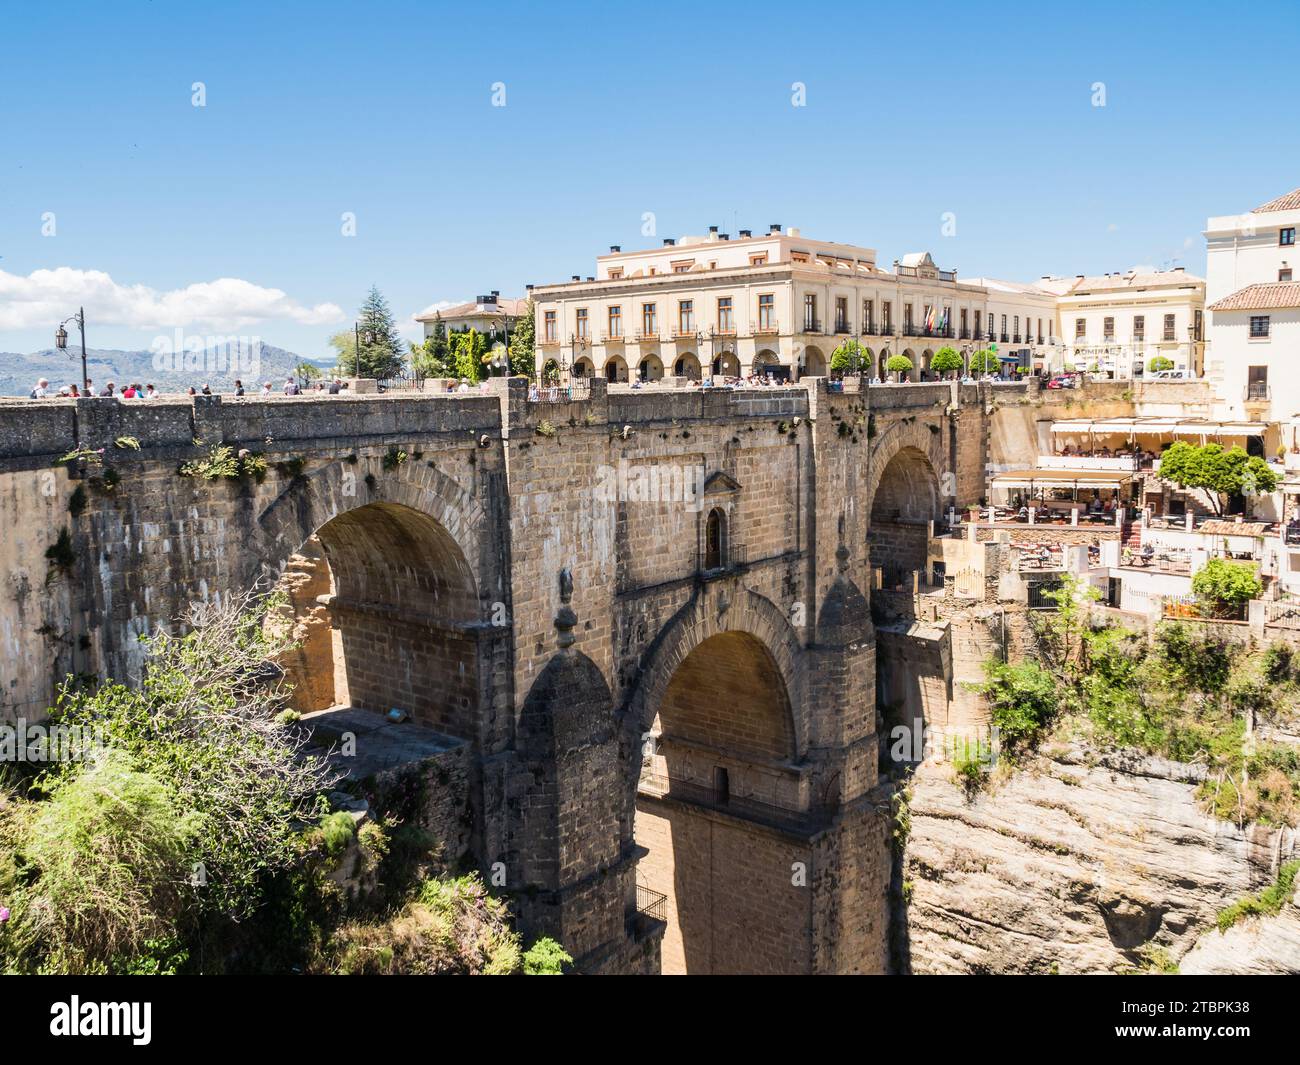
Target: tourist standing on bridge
{"x":41,"y":390}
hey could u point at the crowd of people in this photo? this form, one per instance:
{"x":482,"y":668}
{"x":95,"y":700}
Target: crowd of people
{"x":135,"y":390}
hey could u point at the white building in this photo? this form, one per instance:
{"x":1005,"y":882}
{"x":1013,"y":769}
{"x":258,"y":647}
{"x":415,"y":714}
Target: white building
{"x":487,"y":314}
{"x":1254,"y":354}
{"x":1119,"y":323}
{"x":776,"y":303}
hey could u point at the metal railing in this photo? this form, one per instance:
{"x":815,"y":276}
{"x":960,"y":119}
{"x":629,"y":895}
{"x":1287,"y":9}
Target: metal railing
{"x":577,"y":390}
{"x":1258,"y":393}
{"x":746,"y":807}
{"x":413,"y":382}
{"x":651,"y":903}
{"x":732,"y":556}
{"x":812,"y":325}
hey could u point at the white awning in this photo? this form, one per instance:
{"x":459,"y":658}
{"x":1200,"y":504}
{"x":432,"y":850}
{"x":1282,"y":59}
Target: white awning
{"x":1157,"y":427}
{"x":1062,"y":479}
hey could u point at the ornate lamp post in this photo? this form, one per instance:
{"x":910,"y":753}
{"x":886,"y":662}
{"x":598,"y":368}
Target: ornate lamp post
{"x":61,"y":342}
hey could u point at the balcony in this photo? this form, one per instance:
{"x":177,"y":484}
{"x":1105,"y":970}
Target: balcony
{"x":1257,"y":392}
{"x":842,"y":328}
{"x":745,"y":807}
{"x":1015,"y":338}
{"x":651,"y":904}
{"x":767,"y":329}
{"x":732,"y":558}
{"x":1293,"y":536}
{"x":612,"y":338}
{"x":812,"y":325}
{"x":964,"y":335}
{"x":1040,"y":339}
{"x":688,"y":333}
{"x":548,"y":340}
{"x":647,"y":337}
{"x":1004,"y":338}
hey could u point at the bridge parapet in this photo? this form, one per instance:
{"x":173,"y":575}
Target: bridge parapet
{"x":30,"y":428}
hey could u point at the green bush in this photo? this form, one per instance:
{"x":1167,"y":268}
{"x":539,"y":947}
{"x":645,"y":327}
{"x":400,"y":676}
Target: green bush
{"x":1023,"y":699}
{"x":1267,"y":903}
{"x":1160,"y":364}
{"x":1224,"y":588}
{"x":946,"y":360}
{"x":104,"y":865}
{"x":899,"y":364}
{"x":546,"y":958}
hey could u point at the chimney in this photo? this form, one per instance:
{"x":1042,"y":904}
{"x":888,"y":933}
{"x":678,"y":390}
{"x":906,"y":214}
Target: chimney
{"x":496,"y":292}
{"x":746,"y":233}
{"x":669,"y":242}
{"x":529,"y":288}
{"x":591,"y":279}
{"x":774,"y":228}
{"x":575,"y":277}
{"x":615,"y":248}
{"x":724,"y":236}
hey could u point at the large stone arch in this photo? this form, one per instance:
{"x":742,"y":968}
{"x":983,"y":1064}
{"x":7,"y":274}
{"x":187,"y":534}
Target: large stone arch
{"x":314,"y":499}
{"x":703,"y":617}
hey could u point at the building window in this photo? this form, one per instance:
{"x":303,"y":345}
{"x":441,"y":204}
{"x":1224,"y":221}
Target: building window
{"x":964,"y":323}
{"x":1286,"y":236}
{"x":977,"y":324}
{"x":1139,"y":327}
{"x":809,"y":313}
{"x":887,"y":317}
{"x":683,"y":266}
{"x":1169,"y":327}
{"x":907,"y":318}
{"x":767,"y":311}
{"x":868,"y":319}
{"x":616,"y":321}
{"x":715,"y":540}
{"x":1284,"y":274}
{"x":726,"y":321}
{"x":649,"y":320}
{"x":580,"y":323}
{"x":798,"y":256}
{"x":616,"y":273}
{"x":686,"y":316}
{"x":1080,"y":328}
{"x":758,"y":260}
{"x":548,"y":325}
{"x":841,"y":314}
{"x":1004,"y":328}
{"x":1258,"y":326}
{"x":1196,"y":328}
{"x":1108,"y":329}
{"x":1257,"y":382}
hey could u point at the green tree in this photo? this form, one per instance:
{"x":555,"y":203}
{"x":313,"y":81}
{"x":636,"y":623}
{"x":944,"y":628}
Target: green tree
{"x":946,"y":360}
{"x":849,"y":357}
{"x":899,"y":364}
{"x":523,"y":342}
{"x":307,"y":372}
{"x":1222,"y":474}
{"x":433,"y":357}
{"x":1224,"y":588}
{"x":382,"y":353}
{"x":983,"y":362}
{"x":468,"y":349}
{"x":1159,"y":363}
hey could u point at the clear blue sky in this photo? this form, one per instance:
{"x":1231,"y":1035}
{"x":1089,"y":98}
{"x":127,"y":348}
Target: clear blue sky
{"x":683,"y":109}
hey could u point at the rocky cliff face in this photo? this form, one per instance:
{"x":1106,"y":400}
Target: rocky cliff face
{"x":1085,"y":863}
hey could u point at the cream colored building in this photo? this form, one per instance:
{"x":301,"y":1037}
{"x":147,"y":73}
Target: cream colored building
{"x":1118,"y":323}
{"x":1254,"y":354}
{"x":776,"y":303}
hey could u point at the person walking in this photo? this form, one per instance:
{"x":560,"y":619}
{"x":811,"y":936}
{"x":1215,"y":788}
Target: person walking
{"x":108,"y":392}
{"x":239,"y":387}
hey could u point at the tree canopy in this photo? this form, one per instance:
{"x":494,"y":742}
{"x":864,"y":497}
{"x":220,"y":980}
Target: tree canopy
{"x":1159,"y":363}
{"x":381,"y":353}
{"x":523,"y":343}
{"x":946,"y":360}
{"x":1221,"y":473}
{"x":1224,"y":588}
{"x":849,"y":357}
{"x":898,"y":364}
{"x":983,"y":362}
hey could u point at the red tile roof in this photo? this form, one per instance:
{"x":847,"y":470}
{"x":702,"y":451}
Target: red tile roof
{"x":1270,"y":296}
{"x":1289,"y":202}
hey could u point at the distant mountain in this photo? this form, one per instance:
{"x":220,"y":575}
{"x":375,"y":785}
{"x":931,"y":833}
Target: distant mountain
{"x":217,"y":366}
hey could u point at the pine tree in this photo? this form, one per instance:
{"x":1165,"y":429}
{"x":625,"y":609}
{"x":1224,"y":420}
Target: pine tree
{"x":381,"y":350}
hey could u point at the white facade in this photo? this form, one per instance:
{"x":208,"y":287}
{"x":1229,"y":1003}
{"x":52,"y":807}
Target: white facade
{"x":1118,"y":323}
{"x":1254,"y":353}
{"x":778,"y":303}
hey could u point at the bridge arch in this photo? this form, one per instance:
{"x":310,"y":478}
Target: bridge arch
{"x":910,"y":467}
{"x":384,"y":588}
{"x":714,"y":777}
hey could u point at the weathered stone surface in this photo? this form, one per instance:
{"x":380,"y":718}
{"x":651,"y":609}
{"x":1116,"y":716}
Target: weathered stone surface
{"x":1070,"y":866}
{"x":1258,"y":945}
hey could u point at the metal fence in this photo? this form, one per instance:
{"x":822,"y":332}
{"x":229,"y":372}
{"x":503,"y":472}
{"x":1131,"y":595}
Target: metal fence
{"x":402,"y":383}
{"x":577,"y":390}
{"x":651,"y":903}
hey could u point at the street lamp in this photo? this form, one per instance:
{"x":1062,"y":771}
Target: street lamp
{"x":61,"y":342}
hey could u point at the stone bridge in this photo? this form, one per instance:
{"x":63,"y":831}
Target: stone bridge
{"x":644,"y":618}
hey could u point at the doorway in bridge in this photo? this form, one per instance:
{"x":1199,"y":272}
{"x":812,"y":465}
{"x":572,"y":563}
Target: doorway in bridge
{"x":383,"y":605}
{"x":905,"y":502}
{"x":718,"y":815}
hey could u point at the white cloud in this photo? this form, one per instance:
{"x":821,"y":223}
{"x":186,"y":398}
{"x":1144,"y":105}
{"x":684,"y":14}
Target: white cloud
{"x":414,"y":330}
{"x":46,"y":297}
